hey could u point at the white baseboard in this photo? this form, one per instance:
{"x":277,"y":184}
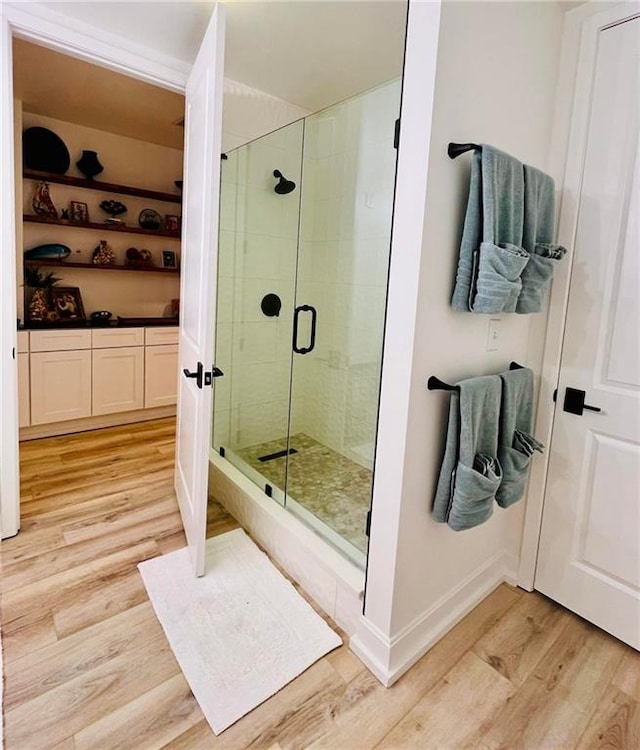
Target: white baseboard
{"x":389,"y":658}
{"x":95,"y":423}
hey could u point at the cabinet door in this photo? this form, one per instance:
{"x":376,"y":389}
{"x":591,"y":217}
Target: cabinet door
{"x":60,"y":386}
{"x":24,"y":407}
{"x":118,"y":379}
{"x":161,"y":375}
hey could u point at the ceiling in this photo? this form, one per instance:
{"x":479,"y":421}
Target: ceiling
{"x":311,"y":53}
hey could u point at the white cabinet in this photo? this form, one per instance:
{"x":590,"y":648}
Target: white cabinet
{"x":24,"y":399}
{"x":118,"y":379}
{"x":60,"y":385}
{"x":161,"y":375}
{"x":76,"y":373}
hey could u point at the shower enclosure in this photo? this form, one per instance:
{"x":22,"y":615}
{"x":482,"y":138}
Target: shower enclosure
{"x":305,"y":229}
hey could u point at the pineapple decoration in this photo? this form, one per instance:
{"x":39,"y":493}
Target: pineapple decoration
{"x":103,"y":255}
{"x":41,"y":283}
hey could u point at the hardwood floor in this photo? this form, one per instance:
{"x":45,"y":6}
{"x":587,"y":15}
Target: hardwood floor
{"x":88,"y":667}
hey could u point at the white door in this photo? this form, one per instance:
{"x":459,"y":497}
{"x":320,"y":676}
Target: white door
{"x":203,"y":144}
{"x":589,"y":557}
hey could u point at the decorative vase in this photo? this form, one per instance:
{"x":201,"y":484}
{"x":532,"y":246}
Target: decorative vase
{"x":89,"y":165}
{"x":38,"y":307}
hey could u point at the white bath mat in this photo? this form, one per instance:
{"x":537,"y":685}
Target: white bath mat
{"x":241,"y":632}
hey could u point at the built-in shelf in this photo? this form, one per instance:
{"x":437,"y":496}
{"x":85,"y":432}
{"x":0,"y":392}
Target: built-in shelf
{"x":105,"y":187}
{"x":95,"y":267}
{"x":123,"y":229}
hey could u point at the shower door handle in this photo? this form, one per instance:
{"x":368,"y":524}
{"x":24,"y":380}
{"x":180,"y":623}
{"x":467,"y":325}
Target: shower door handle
{"x":314,"y":317}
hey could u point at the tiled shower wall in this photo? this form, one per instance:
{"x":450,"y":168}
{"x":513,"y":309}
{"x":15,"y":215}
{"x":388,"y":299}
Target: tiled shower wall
{"x":257,"y":256}
{"x":347,"y":199}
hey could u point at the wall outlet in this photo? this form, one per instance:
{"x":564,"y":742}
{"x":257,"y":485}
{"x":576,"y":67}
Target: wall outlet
{"x":494,"y":335}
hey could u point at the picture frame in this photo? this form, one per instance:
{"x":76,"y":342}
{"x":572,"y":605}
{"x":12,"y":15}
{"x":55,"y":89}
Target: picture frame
{"x":171,"y":223}
{"x":169,"y":259}
{"x":79,"y":212}
{"x":67,"y":304}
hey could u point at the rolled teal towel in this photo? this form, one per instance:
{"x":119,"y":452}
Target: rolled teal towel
{"x":498,"y":283}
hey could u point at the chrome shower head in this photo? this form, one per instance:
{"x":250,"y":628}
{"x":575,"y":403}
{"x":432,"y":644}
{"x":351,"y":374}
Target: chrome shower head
{"x":284,"y":186}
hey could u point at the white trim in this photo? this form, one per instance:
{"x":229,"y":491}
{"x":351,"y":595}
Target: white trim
{"x":39,"y":24}
{"x":390,"y":658}
{"x":9,"y":469}
{"x":418,"y":91}
{"x":95,"y":423}
{"x":42,"y":25}
{"x":573,"y":103}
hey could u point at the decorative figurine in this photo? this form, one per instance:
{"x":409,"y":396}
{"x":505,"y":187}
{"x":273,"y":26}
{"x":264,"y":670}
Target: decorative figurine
{"x":103,"y":255}
{"x":38,"y":307}
{"x":42,"y":203}
{"x":64,"y":214}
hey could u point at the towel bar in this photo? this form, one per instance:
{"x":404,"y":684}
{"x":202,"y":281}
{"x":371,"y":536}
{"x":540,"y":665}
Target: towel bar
{"x":455,"y":149}
{"x":435,"y":384}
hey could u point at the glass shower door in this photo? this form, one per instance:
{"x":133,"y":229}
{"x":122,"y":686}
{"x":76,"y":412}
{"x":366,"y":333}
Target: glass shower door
{"x":259,"y":214}
{"x":348,"y":179}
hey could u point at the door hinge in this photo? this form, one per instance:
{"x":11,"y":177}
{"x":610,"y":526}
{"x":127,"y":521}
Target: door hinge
{"x":367,"y":528}
{"x":396,"y":134}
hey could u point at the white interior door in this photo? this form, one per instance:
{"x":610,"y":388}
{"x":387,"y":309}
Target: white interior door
{"x":203,"y":144}
{"x":589,"y":547}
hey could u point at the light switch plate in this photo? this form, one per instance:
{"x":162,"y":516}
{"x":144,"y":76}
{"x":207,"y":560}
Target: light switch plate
{"x":494,"y":335}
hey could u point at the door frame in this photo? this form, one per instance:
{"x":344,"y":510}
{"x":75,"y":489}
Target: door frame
{"x":40,"y":25}
{"x":567,"y":157}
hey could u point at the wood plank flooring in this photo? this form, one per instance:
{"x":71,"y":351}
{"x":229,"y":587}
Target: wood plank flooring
{"x":88,"y":667}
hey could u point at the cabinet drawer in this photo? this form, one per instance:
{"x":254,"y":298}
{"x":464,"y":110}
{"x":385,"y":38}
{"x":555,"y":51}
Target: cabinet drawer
{"x":59,"y":340}
{"x":23,"y":342}
{"x":118,"y":337}
{"x":161,"y":335}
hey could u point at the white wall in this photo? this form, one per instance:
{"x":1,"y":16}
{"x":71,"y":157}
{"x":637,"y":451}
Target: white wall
{"x":126,"y":161}
{"x":495,"y":82}
{"x":249,"y":114}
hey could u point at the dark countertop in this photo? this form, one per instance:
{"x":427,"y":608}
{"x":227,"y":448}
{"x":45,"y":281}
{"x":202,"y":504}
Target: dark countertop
{"x":112,"y":323}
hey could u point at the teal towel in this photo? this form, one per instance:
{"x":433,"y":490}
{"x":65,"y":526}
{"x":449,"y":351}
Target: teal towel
{"x":491,"y":259}
{"x":539,"y":219}
{"x":516,"y":442}
{"x":470,"y":474}
{"x":471,"y":239}
{"x":506,"y":258}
